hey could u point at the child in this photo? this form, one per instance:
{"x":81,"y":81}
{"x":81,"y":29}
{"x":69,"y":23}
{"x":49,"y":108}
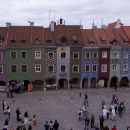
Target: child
{"x":34,"y":120}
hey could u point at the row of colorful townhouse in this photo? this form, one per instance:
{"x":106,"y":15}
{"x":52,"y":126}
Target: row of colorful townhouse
{"x":65,"y":56}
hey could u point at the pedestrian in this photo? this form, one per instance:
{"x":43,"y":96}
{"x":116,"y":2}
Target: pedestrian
{"x":46,"y":126}
{"x":106,"y":128}
{"x":18,"y":113}
{"x":114,"y":128}
{"x":51,"y":125}
{"x":55,"y":125}
{"x":80,"y":94}
{"x":101,"y":119}
{"x":87,"y":121}
{"x":92,"y":121}
{"x":30,"y":125}
{"x":26,"y":118}
{"x":80,"y":113}
{"x":34,"y":120}
{"x":3,"y":104}
{"x":86,"y":99}
{"x":120,"y":110}
{"x":8,"y":112}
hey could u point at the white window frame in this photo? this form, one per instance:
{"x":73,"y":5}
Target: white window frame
{"x":125,"y":55}
{"x":74,"y":54}
{"x":60,"y":69}
{"x":2,"y":69}
{"x":37,"y":67}
{"x":49,"y":53}
{"x":115,"y":67}
{"x":104,"y":54}
{"x":16,"y":54}
{"x":89,"y":68}
{"x":48,"y":68}
{"x":104,"y":69}
{"x":96,"y":67}
{"x":11,"y":68}
{"x":21,"y":68}
{"x":61,"y":53}
{"x":1,"y":56}
{"x":73,"y":68}
{"x":126,"y":67}
{"x":21,"y":55}
{"x":115,"y":56}
{"x":93,"y":55}
{"x":89,"y":55}
{"x":36,"y":55}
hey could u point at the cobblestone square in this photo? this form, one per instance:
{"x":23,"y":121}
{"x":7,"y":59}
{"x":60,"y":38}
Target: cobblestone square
{"x":63,"y":105}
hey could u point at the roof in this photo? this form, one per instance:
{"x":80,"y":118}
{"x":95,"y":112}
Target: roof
{"x":89,"y":38}
{"x":101,"y":37}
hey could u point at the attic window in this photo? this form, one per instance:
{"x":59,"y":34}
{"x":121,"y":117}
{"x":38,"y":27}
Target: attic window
{"x":103,"y":41}
{"x":48,"y":40}
{"x":37,"y":41}
{"x":114,"y":42}
{"x":74,"y":39}
{"x":22,"y":40}
{"x":13,"y":40}
{"x":1,"y":39}
{"x":91,"y":43}
{"x":63,"y":39}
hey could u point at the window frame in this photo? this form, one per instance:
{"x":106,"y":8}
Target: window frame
{"x":125,"y":70}
{"x":73,"y":68}
{"x":61,"y":70}
{"x":93,"y":66}
{"x":21,"y":54}
{"x":11,"y":68}
{"x":89,"y":55}
{"x":74,"y":54}
{"x":38,"y":58}
{"x":105,"y":70}
{"x":89,"y":67}
{"x":52,"y":67}
{"x":103,"y":54}
{"x":61,"y":56}
{"x":11,"y":55}
{"x":21,"y":68}
{"x":38,"y":67}
{"x":49,"y":53}
{"x":96,"y":55}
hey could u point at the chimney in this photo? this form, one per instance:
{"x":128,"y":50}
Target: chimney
{"x":52,"y":26}
{"x":61,"y":21}
{"x":31,"y":23}
{"x":8,"y":24}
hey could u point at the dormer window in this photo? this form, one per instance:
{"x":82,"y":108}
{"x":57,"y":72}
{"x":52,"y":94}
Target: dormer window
{"x":22,"y":40}
{"x":114,"y":43}
{"x":1,"y":39}
{"x":103,"y":41}
{"x":91,"y":43}
{"x":37,"y":41}
{"x":13,"y":39}
{"x":74,"y":39}
{"x":63,"y":39}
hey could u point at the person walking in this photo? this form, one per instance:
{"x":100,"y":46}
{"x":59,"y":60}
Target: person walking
{"x":18,"y":113}
{"x":114,"y":128}
{"x":46,"y":126}
{"x":8,"y":112}
{"x":3,"y":104}
{"x":92,"y":121}
{"x":55,"y":125}
{"x":34,"y":120}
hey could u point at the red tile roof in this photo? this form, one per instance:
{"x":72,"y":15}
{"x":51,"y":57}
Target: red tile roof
{"x":89,"y":38}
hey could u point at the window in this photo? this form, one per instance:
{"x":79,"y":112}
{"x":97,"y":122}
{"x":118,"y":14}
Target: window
{"x":37,"y":54}
{"x":1,"y":39}
{"x":13,"y":68}
{"x":114,"y":67}
{"x":22,"y":40}
{"x":24,"y":55}
{"x":76,"y":55}
{"x":63,"y":55}
{"x":104,"y":54}
{"x":50,"y":55}
{"x":74,"y":39}
{"x":63,"y":39}
{"x":115,"y":55}
{"x":94,"y":68}
{"x":37,"y":67}
{"x":1,"y":69}
{"x":13,"y":39}
{"x":125,"y":67}
{"x":50,"y":68}
{"x":87,"y":55}
{"x":63,"y":68}
{"x":104,"y":68}
{"x":0,"y":55}
{"x":13,"y":55}
{"x":24,"y":68}
{"x":95,"y":55}
{"x":87,"y":68}
{"x":75,"y":68}
{"x":125,"y":55}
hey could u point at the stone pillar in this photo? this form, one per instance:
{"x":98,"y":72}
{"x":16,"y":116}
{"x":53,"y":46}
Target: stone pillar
{"x":89,"y":81}
{"x":108,"y":84}
{"x":81,"y":84}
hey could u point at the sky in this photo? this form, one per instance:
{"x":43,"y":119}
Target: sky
{"x":76,"y":12}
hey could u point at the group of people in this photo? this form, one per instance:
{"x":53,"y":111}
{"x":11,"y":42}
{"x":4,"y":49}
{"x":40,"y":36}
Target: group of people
{"x":51,"y":126}
{"x":26,"y":121}
{"x":91,"y":122}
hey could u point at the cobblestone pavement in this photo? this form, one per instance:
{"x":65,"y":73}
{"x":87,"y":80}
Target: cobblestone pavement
{"x":59,"y":104}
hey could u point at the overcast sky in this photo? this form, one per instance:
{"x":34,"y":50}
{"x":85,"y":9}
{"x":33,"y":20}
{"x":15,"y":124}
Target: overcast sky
{"x":19,"y":12}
